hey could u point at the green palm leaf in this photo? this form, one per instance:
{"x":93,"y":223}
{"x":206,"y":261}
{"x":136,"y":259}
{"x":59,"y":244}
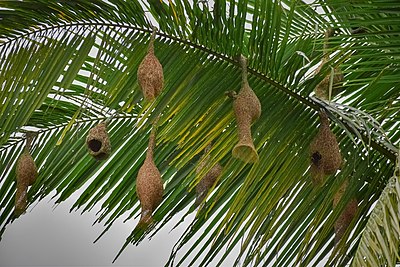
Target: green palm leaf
{"x":379,"y":244}
{"x":68,"y":65}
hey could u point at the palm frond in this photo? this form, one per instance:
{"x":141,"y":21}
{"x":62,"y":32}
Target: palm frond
{"x":65,"y":66}
{"x":379,"y":244}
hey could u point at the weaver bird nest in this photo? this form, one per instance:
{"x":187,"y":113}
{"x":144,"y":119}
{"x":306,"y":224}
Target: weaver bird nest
{"x":324,"y":152}
{"x":149,"y":185}
{"x":247,"y":108}
{"x":26,"y":174}
{"x":98,"y":142}
{"x":150,"y":73}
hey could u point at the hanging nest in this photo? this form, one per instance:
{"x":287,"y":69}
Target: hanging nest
{"x":348,"y":213}
{"x":26,"y":169}
{"x":324,"y":152}
{"x":208,"y":179}
{"x":150,"y":73}
{"x":98,"y":142}
{"x":26,"y":174}
{"x":149,"y":185}
{"x":322,"y":89}
{"x":247,"y":108}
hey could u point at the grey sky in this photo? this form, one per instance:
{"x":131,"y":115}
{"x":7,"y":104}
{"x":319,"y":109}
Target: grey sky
{"x":55,"y":237}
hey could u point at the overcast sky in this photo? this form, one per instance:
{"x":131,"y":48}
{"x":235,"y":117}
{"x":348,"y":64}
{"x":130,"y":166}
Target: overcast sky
{"x":54,"y":237}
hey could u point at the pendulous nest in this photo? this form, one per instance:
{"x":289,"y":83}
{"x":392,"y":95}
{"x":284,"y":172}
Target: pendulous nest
{"x":209,"y":179}
{"x":322,"y":88}
{"x":325,"y":154}
{"x":348,"y":213}
{"x":150,"y":73}
{"x":98,"y":142}
{"x":149,"y":185}
{"x":247,"y":109}
{"x":26,"y":174}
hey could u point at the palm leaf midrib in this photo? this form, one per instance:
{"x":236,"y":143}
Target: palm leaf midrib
{"x":376,"y":145}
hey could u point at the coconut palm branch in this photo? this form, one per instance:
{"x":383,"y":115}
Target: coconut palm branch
{"x":68,"y":65}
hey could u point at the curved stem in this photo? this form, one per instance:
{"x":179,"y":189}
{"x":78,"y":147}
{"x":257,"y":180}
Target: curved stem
{"x":152,"y":37}
{"x":29,"y":139}
{"x":152,"y":138}
{"x":243,"y":64}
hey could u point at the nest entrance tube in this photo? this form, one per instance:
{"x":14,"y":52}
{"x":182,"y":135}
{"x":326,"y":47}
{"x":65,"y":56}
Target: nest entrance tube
{"x":98,"y":142}
{"x":247,"y":108}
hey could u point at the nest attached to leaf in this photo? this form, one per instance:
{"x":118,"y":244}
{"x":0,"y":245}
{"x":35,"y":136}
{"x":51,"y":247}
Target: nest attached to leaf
{"x":26,"y":174}
{"x":325,"y":154}
{"x":208,"y":179}
{"x":149,"y":186}
{"x":322,"y":89}
{"x":247,"y":108}
{"x":98,"y":142}
{"x":348,"y":213}
{"x":150,"y":75}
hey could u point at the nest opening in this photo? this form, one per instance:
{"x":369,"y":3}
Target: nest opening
{"x":98,"y":142}
{"x":316,"y":158}
{"x":245,"y":152}
{"x":95,"y":145}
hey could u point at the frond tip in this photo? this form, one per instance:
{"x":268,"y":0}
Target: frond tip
{"x":380,"y":241}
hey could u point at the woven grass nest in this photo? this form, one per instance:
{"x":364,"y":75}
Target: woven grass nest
{"x":247,"y":108}
{"x":149,"y":185}
{"x":98,"y":142}
{"x":322,"y":89}
{"x":208,"y":180}
{"x":150,"y":73}
{"x":324,"y":152}
{"x":348,"y":213}
{"x":26,"y":174}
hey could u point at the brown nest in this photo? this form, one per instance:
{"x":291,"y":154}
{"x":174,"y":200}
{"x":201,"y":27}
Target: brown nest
{"x":209,"y":179}
{"x":149,"y":185}
{"x":324,"y":152}
{"x":26,"y":174}
{"x":98,"y":142}
{"x":247,"y":108}
{"x":348,"y":213}
{"x":322,"y":89}
{"x":150,"y":73}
